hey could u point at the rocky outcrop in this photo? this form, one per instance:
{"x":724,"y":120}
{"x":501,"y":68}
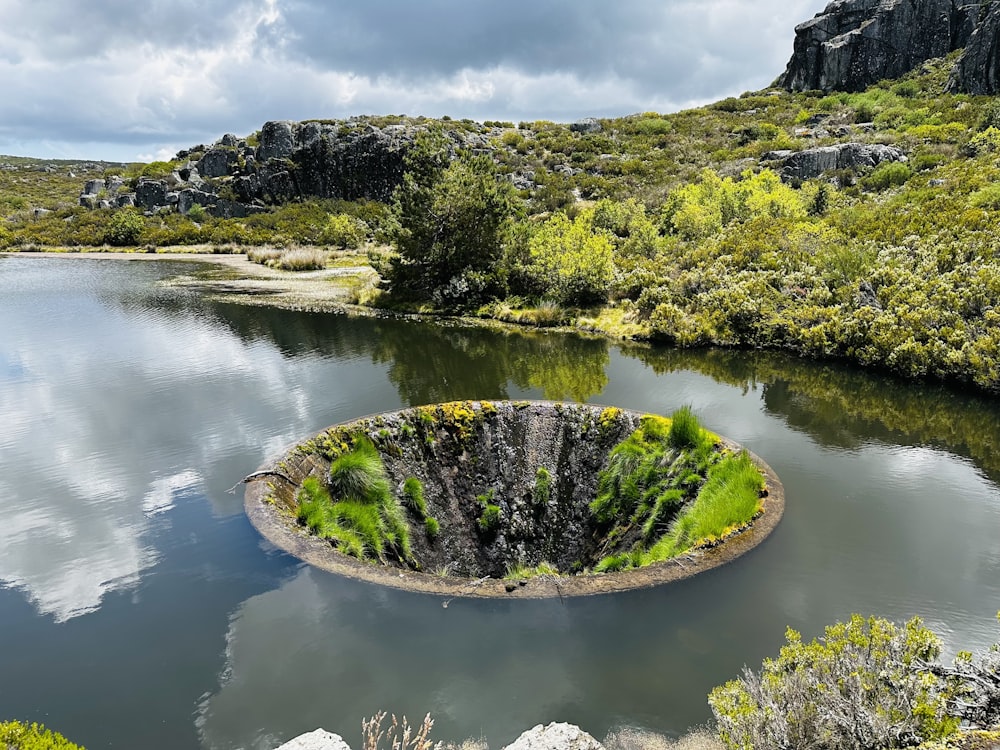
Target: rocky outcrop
{"x":341,"y":159}
{"x":852,"y":44}
{"x":812,"y":162}
{"x":978,"y":69}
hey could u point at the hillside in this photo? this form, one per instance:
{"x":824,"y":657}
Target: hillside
{"x":859,"y":226}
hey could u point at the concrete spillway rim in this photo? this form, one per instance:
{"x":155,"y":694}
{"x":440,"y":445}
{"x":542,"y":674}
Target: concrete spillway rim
{"x":281,"y":529}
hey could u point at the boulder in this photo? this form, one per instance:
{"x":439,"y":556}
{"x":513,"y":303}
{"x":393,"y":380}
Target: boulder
{"x":190,"y":196}
{"x":812,"y":162}
{"x":555,"y":736}
{"x":218,"y":162}
{"x":125,"y":200}
{"x":93,"y":187}
{"x":586,"y":125}
{"x":318,"y":739}
{"x":852,"y":44}
{"x":276,"y":141}
{"x":88,"y":200}
{"x":150,"y":193}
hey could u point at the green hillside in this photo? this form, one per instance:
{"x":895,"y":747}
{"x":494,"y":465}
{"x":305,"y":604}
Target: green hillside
{"x":669,"y":227}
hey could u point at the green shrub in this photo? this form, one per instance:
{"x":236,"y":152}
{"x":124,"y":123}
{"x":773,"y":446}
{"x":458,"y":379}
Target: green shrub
{"x":887,"y":175}
{"x":858,"y":687}
{"x":124,"y":228}
{"x":489,"y":517}
{"x":572,"y":260}
{"x":197,"y":213}
{"x":987,"y":197}
{"x":15,"y":735}
{"x":344,"y":231}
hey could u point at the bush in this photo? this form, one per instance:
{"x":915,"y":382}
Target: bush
{"x":572,"y":260}
{"x":884,"y":176}
{"x":17,"y":736}
{"x":857,"y":688}
{"x":125,"y":228}
{"x":344,"y":231}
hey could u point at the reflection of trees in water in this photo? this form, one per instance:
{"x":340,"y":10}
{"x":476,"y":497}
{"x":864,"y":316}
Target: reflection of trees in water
{"x":434,"y":361}
{"x":844,"y":407}
{"x":430,"y":363}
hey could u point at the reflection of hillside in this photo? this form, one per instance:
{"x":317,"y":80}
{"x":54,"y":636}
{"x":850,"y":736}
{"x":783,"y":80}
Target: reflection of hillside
{"x":844,"y":407}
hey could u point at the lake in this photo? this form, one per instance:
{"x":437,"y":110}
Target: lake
{"x":139,"y":608}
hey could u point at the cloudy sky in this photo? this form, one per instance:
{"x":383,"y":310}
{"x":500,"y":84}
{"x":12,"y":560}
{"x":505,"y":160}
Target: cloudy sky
{"x":137,"y":80}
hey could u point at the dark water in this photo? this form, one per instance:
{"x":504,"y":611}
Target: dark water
{"x":138,"y":608}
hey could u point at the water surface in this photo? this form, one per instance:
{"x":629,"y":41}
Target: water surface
{"x":138,"y":607}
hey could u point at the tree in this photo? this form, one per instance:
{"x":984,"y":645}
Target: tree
{"x":453,"y":223}
{"x":573,"y":259}
{"x":863,"y":686}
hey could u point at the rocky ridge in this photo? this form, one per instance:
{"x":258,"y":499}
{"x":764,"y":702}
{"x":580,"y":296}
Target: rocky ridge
{"x":285,"y":161}
{"x":853,"y":44}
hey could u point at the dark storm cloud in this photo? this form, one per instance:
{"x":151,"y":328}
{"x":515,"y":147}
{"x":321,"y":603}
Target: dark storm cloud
{"x":66,"y":32}
{"x":145,"y":78}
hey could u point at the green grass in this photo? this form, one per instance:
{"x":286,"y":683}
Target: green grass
{"x":357,"y":511}
{"x":668,"y":487}
{"x":522,"y":572}
{"x":729,"y":499}
{"x":542,"y":491}
{"x":413,"y":497}
{"x":359,"y":472}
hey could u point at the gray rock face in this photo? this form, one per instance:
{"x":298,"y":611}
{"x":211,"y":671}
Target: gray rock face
{"x":812,"y":162}
{"x":93,"y":187}
{"x":978,"y":69}
{"x":150,"y":193}
{"x":276,"y":140}
{"x":852,"y":44}
{"x":217,"y":162}
{"x":318,"y":739}
{"x":555,"y":736}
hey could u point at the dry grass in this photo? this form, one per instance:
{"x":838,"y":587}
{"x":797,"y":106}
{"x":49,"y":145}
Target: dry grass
{"x":634,"y":738}
{"x":399,"y":735}
{"x":289,"y":259}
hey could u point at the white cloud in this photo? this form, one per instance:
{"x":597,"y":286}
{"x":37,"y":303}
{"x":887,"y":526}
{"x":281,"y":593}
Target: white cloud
{"x":127,"y":81}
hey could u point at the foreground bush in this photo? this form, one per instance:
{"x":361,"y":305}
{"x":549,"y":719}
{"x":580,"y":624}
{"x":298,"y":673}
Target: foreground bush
{"x":862,"y":686}
{"x":17,"y":736}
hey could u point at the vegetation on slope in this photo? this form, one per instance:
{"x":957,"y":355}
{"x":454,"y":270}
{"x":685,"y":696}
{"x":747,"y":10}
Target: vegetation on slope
{"x":673,"y":227}
{"x":668,"y":488}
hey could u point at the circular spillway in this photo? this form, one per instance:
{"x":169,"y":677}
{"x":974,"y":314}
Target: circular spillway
{"x":508,"y":499}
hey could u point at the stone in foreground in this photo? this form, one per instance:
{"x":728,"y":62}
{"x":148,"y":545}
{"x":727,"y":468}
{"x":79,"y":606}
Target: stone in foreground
{"x":555,"y":736}
{"x":318,"y":739}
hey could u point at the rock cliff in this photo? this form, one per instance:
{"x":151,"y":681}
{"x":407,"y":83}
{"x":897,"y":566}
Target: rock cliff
{"x":852,"y":44}
{"x":235,"y":177}
{"x":978,"y":69}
